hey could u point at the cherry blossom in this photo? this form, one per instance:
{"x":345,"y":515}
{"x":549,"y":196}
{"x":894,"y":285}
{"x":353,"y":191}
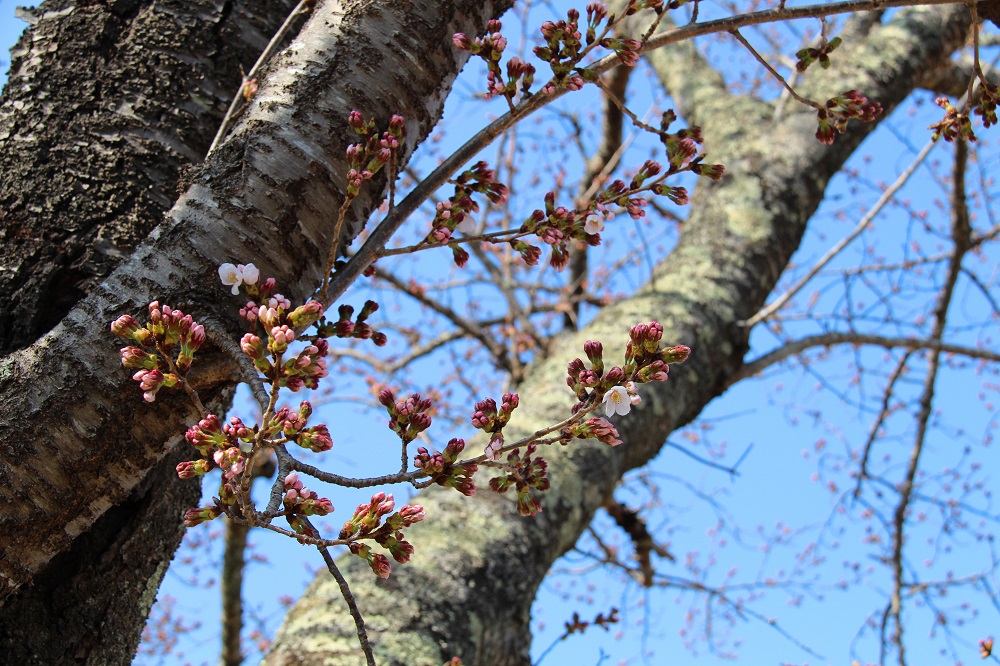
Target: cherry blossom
{"x":238,"y":275}
{"x":617,"y":401}
{"x":594,"y":223}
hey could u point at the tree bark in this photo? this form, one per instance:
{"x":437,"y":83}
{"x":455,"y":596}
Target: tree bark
{"x":468,"y":589}
{"x":104,"y":107}
{"x":89,"y":505}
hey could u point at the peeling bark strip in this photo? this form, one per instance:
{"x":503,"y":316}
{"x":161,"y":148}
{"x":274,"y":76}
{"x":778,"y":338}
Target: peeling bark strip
{"x":77,"y":438}
{"x":468,"y":589}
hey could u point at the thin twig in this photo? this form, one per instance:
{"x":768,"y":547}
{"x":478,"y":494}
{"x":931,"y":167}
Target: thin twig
{"x":376,"y":242}
{"x":759,"y":58}
{"x":272,"y":46}
{"x":877,"y":425}
{"x":829,"y":339}
{"x":961,"y":233}
{"x":886,"y":197}
{"x":352,"y":604}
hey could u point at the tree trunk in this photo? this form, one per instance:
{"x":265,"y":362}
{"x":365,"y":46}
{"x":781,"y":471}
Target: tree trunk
{"x":468,"y":589}
{"x":89,"y":504}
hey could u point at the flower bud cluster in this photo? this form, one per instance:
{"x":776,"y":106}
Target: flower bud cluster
{"x":820,"y":54}
{"x":367,"y":158}
{"x":840,"y":109}
{"x":367,"y":523}
{"x":645,"y":361}
{"x":407,"y":418}
{"x":593,"y":428}
{"x":167,"y":333}
{"x":280,"y":322}
{"x":262,"y":293}
{"x":489,"y":419}
{"x":193,"y":517}
{"x":564,"y":47}
{"x":682,"y":155}
{"x":530,"y":254}
{"x":220,"y":445}
{"x":344,"y":327}
{"x":293,"y":424}
{"x":300,"y":501}
{"x":490,"y":48}
{"x":225,"y":446}
{"x":955,"y":123}
{"x":557,"y":225}
{"x":304,"y":369}
{"x":455,"y":213}
{"x":627,"y":50}
{"x":442,"y":470}
{"x":986,"y":105}
{"x":523,"y":474}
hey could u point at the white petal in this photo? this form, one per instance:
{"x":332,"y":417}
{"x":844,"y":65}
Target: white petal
{"x":228,"y":273}
{"x":467,"y":226}
{"x":594,"y":223}
{"x":617,"y":401}
{"x":250,"y":274}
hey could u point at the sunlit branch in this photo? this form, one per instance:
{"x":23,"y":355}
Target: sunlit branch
{"x":882,"y":416}
{"x":375,"y":243}
{"x":961,"y":232}
{"x":239,"y":101}
{"x":795,"y":347}
{"x":886,"y":197}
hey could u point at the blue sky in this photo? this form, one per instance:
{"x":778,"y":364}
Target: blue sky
{"x":790,"y":432}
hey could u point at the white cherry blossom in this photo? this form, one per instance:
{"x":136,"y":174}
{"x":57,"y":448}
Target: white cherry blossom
{"x":250,"y":274}
{"x":617,"y":401}
{"x":594,"y":223}
{"x":231,"y":275}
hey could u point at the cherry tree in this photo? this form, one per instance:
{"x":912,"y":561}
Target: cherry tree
{"x":313,"y":146}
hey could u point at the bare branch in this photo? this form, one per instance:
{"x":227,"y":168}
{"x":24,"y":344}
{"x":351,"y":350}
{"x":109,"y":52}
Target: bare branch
{"x":886,"y":197}
{"x":795,"y":347}
{"x":961,"y":232}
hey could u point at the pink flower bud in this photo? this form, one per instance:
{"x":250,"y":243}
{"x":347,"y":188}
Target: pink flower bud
{"x":125,"y":326}
{"x":380,"y":565}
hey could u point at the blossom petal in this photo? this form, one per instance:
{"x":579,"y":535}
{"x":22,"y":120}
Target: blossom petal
{"x":250,"y":274}
{"x":229,"y":274}
{"x":617,"y":401}
{"x":594,"y":223}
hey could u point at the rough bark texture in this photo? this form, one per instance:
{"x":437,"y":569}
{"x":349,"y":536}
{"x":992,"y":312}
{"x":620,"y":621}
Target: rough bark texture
{"x":468,"y":590}
{"x":106,"y":103}
{"x":104,"y":107}
{"x":85,"y":466}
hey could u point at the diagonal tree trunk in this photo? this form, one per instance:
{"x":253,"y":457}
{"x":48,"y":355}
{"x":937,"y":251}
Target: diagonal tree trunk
{"x":468,"y":590}
{"x":89,"y":505}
